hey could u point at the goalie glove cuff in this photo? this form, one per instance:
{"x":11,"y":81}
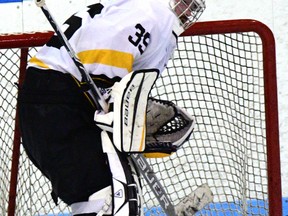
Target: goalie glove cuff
{"x":159,"y":149}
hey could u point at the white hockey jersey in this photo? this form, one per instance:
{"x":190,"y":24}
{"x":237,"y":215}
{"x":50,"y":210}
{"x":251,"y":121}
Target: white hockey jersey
{"x":113,"y":38}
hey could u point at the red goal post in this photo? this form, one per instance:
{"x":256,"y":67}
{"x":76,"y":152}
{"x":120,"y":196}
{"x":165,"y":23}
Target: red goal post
{"x":224,"y":73}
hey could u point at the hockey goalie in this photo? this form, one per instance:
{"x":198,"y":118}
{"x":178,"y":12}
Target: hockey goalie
{"x":123,"y":45}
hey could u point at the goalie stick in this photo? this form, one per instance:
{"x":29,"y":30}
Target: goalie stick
{"x":191,"y":203}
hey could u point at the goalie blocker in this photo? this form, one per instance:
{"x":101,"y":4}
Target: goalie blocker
{"x":140,"y":124}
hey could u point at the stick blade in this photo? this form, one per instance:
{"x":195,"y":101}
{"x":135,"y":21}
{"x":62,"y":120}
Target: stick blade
{"x":195,"y":201}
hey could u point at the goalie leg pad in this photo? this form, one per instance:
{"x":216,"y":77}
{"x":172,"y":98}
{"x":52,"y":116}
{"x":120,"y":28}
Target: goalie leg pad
{"x":126,"y":188}
{"x":98,"y":202}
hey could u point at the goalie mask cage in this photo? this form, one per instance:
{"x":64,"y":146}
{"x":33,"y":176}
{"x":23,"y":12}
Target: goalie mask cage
{"x":223,"y":73}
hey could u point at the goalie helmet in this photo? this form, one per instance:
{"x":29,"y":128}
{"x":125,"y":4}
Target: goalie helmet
{"x":187,"y":12}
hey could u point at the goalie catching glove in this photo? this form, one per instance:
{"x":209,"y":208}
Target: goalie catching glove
{"x":168,"y":127}
{"x":141,"y":124}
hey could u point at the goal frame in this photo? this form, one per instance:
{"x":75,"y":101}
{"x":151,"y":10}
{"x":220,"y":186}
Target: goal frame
{"x":23,"y":41}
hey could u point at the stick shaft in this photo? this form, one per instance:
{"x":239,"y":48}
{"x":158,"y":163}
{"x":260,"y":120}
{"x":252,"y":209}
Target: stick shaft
{"x":148,"y":174}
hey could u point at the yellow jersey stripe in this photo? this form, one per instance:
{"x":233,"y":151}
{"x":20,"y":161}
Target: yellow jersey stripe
{"x":107,"y":57}
{"x":38,"y":62}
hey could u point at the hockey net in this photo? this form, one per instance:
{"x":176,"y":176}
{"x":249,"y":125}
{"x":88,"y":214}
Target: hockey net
{"x":224,"y":74}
